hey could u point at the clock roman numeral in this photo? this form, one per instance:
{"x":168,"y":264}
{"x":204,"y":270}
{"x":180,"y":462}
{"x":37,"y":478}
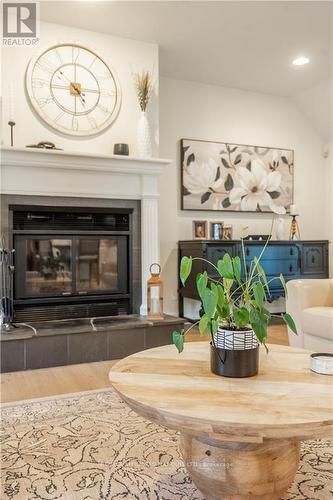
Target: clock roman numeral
{"x":57,"y":118}
{"x":92,"y":121}
{"x":75,"y":54}
{"x":46,"y":66}
{"x":75,"y":123}
{"x":103,"y":108}
{"x":107,"y":93}
{"x":60,"y":59}
{"x":42,"y":101}
{"x":106,"y":76}
{"x":39,"y":82}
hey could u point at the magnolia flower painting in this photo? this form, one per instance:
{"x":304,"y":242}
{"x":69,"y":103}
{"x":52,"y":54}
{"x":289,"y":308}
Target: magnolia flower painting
{"x":235,"y":177}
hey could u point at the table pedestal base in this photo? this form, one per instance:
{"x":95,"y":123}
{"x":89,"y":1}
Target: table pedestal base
{"x":240,"y":471}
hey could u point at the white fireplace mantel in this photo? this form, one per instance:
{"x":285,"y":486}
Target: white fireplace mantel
{"x":58,"y":173}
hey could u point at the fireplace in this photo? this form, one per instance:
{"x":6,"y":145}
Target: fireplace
{"x":72,"y":262}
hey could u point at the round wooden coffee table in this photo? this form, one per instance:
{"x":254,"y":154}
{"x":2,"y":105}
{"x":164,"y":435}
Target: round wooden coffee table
{"x":239,"y":438}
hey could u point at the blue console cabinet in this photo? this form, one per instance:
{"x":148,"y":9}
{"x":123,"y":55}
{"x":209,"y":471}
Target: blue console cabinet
{"x":294,"y":259}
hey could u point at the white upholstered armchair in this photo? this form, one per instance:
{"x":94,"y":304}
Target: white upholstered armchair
{"x":310,"y":302}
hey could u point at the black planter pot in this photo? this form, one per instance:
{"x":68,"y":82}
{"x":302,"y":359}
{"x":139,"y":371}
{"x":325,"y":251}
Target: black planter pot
{"x":234,"y":363}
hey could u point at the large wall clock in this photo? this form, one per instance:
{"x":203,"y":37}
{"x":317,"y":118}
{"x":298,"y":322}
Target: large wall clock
{"x":73,"y":89}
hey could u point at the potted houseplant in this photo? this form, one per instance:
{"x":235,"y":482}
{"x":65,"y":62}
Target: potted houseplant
{"x":234,"y":312}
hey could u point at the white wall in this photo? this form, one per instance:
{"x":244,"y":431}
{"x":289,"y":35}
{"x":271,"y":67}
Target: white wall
{"x":124,"y":55}
{"x":198,"y":111}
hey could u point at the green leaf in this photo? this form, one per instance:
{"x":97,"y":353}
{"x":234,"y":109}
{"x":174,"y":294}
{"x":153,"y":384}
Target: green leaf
{"x":260,"y":330}
{"x":214,"y":325}
{"x":220,"y":294}
{"x":259,"y":293}
{"x":204,"y":325}
{"x":254,"y":316}
{"x":236,"y":262}
{"x":265,"y":315}
{"x":283,"y":283}
{"x":178,"y":340}
{"x":262,"y":274}
{"x":290,"y":322}
{"x":225,"y":267}
{"x":202,"y":280}
{"x":209,"y":301}
{"x":185,"y":268}
{"x":241,"y":316}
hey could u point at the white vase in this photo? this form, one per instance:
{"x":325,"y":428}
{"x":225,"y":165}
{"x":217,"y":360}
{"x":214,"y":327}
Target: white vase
{"x":144,"y":137}
{"x":280,"y":230}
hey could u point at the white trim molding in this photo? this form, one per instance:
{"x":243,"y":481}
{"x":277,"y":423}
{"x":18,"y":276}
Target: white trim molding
{"x":59,"y":173}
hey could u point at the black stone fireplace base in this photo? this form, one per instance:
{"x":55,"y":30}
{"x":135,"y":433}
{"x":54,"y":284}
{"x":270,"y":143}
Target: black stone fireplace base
{"x":66,"y":342}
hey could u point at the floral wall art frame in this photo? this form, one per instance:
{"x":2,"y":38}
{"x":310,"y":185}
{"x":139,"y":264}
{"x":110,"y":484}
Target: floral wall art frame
{"x":235,"y":177}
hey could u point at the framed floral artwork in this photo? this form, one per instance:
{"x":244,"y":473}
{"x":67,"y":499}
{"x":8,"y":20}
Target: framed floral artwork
{"x":236,"y":177}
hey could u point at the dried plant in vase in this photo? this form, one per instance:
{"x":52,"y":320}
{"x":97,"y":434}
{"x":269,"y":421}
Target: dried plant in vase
{"x":144,"y":89}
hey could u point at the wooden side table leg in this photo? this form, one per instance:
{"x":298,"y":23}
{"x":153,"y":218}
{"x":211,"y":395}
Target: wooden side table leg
{"x":239,"y":471}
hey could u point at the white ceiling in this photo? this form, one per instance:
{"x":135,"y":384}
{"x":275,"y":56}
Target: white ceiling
{"x":248,"y":45}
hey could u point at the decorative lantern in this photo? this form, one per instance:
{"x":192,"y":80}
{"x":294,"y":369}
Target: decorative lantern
{"x":155,"y":294}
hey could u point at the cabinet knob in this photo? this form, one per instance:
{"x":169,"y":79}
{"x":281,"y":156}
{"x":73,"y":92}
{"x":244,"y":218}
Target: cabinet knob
{"x":291,"y":251}
{"x":291,"y":268}
{"x":247,"y":251}
{"x":313,"y":259}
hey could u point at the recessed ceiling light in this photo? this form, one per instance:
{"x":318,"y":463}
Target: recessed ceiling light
{"x":300,"y":61}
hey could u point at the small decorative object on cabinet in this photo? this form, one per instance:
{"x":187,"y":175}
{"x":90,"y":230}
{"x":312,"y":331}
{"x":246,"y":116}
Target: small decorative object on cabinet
{"x":73,"y":89}
{"x":121,"y":149}
{"x":227,"y":232}
{"x":155,"y":294}
{"x":236,"y":322}
{"x":235,"y":177}
{"x":200,"y":229}
{"x":44,"y":145}
{"x":144,"y":89}
{"x":216,"y":230}
{"x":294,"y":229}
{"x":280,"y":230}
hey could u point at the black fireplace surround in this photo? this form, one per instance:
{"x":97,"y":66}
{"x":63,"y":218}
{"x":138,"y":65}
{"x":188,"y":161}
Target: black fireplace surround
{"x":75,"y":261}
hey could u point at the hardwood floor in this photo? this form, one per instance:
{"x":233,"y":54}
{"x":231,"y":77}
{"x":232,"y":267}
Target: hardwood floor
{"x":32,"y":384}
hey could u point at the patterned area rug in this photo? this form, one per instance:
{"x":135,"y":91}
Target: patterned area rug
{"x":91,"y":446}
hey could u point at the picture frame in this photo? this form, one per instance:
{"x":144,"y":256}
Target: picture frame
{"x":216,"y":230}
{"x":227,"y":232}
{"x":200,"y":228}
{"x":224,"y":176}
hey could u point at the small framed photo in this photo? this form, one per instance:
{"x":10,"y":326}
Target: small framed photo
{"x":216,"y":230}
{"x":227,"y":232}
{"x":200,"y":229}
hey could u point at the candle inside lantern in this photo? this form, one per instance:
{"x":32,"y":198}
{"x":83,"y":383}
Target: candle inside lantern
{"x":293,"y":210}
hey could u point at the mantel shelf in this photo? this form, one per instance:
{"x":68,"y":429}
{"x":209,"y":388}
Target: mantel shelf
{"x":69,"y":160}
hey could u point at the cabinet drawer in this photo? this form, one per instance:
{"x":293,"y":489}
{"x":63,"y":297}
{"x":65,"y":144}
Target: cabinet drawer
{"x":313,"y":259}
{"x":272,"y":252}
{"x":288,"y":267}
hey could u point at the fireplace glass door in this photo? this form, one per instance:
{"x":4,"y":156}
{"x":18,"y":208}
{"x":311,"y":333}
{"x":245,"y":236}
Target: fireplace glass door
{"x":97,"y":265}
{"x":47,"y":266}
